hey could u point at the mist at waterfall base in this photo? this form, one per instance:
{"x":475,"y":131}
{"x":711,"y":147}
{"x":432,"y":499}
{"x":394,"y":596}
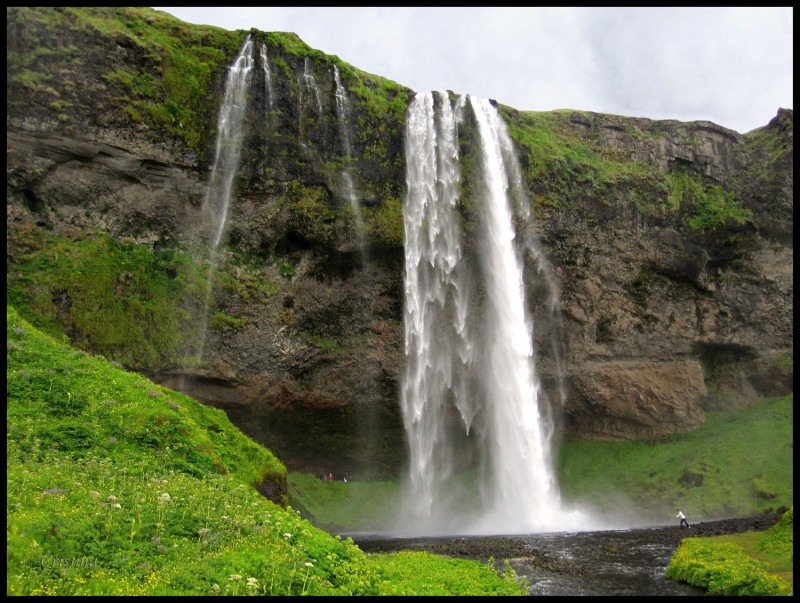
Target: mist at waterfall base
{"x":479,"y":427}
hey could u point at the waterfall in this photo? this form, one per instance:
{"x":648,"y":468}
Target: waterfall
{"x":345,"y":135}
{"x":478,"y":431}
{"x":229,"y":140}
{"x":226,"y":164}
{"x":311,"y":84}
{"x":267,"y":76}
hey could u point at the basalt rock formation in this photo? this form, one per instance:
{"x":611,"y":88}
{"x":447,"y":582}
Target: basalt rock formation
{"x":670,"y":242}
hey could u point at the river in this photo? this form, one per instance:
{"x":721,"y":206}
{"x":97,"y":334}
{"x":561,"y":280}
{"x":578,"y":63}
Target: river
{"x":628,"y":562}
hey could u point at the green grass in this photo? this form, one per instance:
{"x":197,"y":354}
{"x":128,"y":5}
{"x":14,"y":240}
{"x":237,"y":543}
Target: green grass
{"x":128,"y":302}
{"x":755,"y":564}
{"x":117,"y":486}
{"x":341,"y":506}
{"x":150,"y":67}
{"x":735,"y":464}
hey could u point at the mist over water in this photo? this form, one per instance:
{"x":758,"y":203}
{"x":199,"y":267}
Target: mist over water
{"x":479,"y":427}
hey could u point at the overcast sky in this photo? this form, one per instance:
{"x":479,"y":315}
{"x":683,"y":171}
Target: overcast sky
{"x":731,"y":66}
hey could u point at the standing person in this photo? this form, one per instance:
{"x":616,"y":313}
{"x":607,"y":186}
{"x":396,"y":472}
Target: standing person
{"x":682,"y":517}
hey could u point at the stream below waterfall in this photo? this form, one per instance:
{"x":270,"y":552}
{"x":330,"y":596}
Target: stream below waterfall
{"x":627,"y":562}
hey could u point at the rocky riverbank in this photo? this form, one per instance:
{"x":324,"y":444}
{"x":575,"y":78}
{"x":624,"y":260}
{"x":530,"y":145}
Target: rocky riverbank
{"x":510,"y":547}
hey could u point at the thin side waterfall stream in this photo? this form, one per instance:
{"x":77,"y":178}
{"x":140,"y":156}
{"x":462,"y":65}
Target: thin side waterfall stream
{"x":345,"y":134}
{"x":226,"y":163}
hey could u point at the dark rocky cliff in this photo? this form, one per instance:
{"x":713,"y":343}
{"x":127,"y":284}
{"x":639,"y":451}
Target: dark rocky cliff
{"x":671,"y":243}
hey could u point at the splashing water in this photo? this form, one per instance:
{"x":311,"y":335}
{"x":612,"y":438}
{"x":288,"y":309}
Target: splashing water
{"x":479,"y":440}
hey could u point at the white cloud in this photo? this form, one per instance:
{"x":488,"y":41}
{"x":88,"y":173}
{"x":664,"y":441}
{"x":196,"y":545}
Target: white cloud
{"x":732,"y":66}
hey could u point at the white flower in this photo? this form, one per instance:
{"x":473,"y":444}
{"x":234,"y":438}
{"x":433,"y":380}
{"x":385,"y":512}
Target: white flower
{"x":252,"y":581}
{"x":235,"y":577}
{"x":164,"y":497}
{"x":94,"y":493}
{"x":117,"y":506}
{"x":112,"y":497}
{"x":309,"y":564}
{"x":215,"y":588}
{"x":287,"y":535}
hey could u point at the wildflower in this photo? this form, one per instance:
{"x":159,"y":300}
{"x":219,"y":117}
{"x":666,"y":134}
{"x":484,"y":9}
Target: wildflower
{"x":112,"y":498}
{"x":164,"y":497}
{"x":287,"y":535}
{"x":235,"y":577}
{"x":94,"y":493}
{"x":252,"y":582}
{"x":117,"y":506}
{"x":155,"y":539}
{"x":215,"y":588}
{"x":309,"y":564}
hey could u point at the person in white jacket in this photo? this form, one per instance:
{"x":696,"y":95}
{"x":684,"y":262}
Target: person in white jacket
{"x":682,"y":517}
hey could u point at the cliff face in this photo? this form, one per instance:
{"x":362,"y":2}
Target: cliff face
{"x":670,"y":243}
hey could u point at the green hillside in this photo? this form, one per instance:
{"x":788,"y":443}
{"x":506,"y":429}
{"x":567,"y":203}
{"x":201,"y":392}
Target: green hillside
{"x":117,"y":486}
{"x":736,"y":464}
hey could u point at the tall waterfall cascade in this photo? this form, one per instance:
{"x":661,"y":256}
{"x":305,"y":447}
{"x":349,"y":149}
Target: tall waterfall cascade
{"x":479,"y":432}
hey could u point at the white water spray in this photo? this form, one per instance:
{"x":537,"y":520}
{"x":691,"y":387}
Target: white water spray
{"x":479,"y":440}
